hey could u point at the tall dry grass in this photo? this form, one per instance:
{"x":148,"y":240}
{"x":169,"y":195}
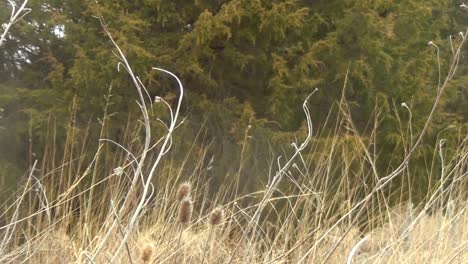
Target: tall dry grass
{"x":297,"y":224}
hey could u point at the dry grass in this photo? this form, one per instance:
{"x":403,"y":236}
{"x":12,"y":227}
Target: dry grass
{"x":305,"y":221}
{"x":436,"y":238}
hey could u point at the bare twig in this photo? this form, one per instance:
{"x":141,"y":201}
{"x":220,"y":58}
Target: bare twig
{"x":16,"y":15}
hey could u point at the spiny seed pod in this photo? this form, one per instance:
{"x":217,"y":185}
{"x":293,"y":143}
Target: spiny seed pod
{"x":216,"y":217}
{"x":183,"y":191}
{"x":185,"y":210}
{"x":146,"y":253}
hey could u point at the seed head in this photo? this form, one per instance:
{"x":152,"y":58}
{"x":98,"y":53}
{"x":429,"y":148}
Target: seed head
{"x":185,"y":210}
{"x":183,"y":191}
{"x":146,"y":253}
{"x":216,"y":216}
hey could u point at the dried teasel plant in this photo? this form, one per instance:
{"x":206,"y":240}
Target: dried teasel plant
{"x":183,"y":218}
{"x":146,"y":253}
{"x":216,"y":217}
{"x":185,"y":211}
{"x":183,"y":191}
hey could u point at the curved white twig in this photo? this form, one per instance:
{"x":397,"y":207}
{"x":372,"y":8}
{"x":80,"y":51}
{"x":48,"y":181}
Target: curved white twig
{"x":356,"y":249}
{"x":16,"y":15}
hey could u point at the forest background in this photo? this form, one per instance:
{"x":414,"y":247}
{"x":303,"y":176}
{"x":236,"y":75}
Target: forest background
{"x":247,"y":66}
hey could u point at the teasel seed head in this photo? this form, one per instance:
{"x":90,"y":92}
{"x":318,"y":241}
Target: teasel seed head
{"x":185,"y":210}
{"x":183,"y":191}
{"x":147,"y":253}
{"x":216,"y":216}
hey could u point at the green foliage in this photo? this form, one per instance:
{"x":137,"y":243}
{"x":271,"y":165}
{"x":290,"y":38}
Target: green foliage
{"x":242,"y":62}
